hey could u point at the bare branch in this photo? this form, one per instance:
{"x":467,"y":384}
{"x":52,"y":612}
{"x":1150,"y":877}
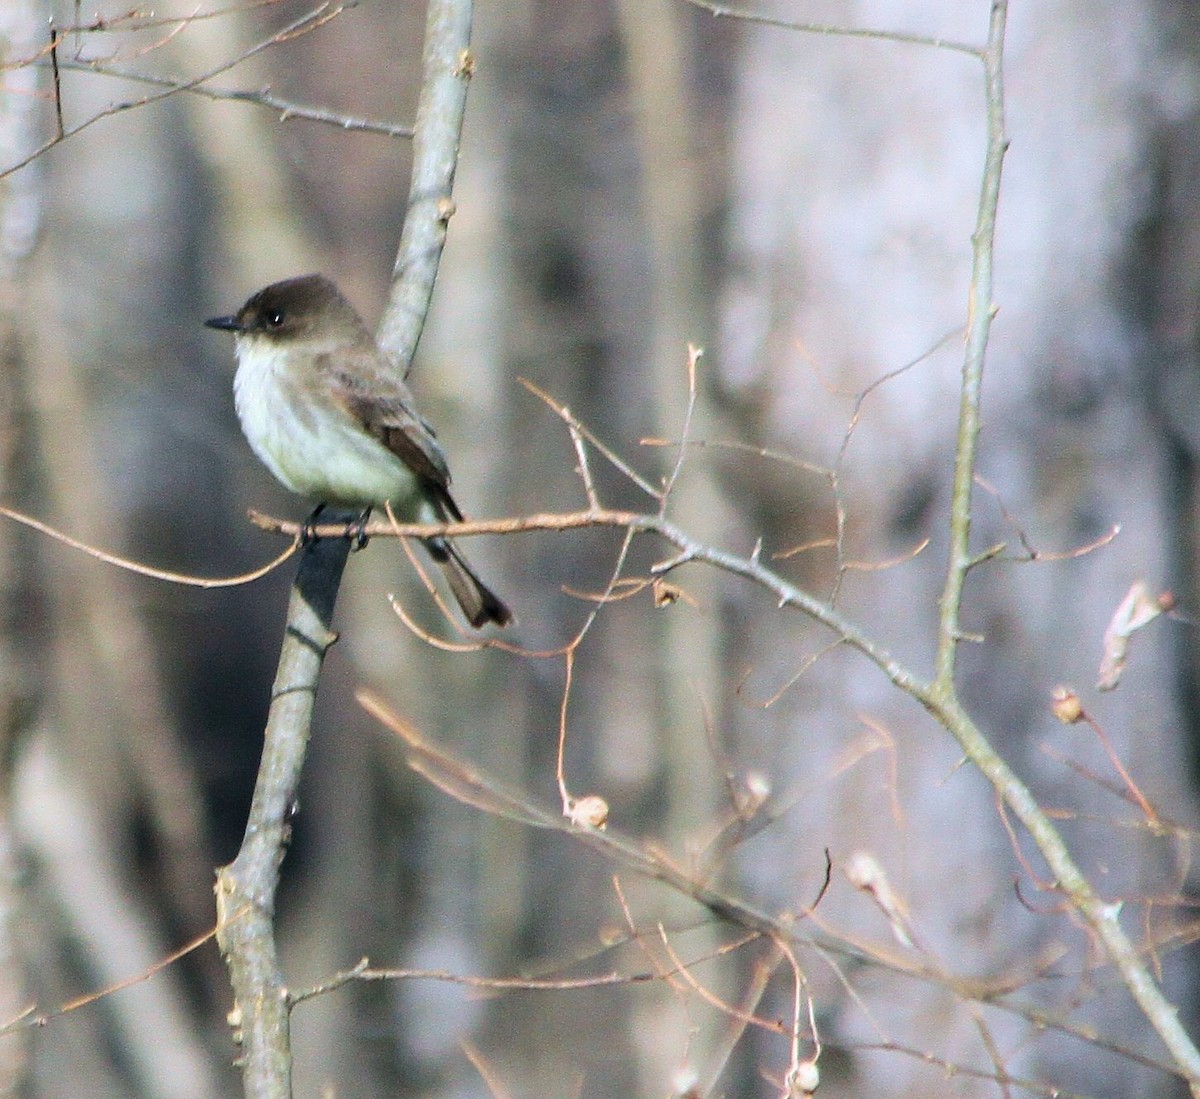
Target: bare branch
{"x":305,"y":23}
{"x":693,"y":358}
{"x":980,"y":311}
{"x":446,"y":68}
{"x":246,"y":887}
{"x":836,"y":30}
{"x":31,"y":1017}
{"x":58,"y":110}
{"x":466,"y":783}
{"x":583,"y":430}
{"x":262,"y":97}
{"x":129,"y":565}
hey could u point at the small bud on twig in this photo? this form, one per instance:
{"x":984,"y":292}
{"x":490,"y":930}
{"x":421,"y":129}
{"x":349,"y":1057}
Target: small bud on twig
{"x":588,"y":812}
{"x":863,"y":872}
{"x":1065,"y":705}
{"x":803,"y":1080}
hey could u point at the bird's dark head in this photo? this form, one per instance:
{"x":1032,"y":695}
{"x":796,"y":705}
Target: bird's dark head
{"x":308,"y":308}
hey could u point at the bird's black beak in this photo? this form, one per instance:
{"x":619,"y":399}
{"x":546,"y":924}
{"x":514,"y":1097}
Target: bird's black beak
{"x":227,"y":324}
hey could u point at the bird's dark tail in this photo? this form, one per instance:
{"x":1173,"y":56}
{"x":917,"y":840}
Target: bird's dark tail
{"x":479,"y":603}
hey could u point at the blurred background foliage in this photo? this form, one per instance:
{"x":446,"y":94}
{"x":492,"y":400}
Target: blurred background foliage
{"x":635,"y":175}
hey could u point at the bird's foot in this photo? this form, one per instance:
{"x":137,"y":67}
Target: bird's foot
{"x":356,"y":531}
{"x":308,"y":532}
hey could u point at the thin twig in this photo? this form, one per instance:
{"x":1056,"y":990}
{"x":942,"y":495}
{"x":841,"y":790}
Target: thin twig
{"x":710,"y":997}
{"x":262,"y":97}
{"x":1031,"y":552}
{"x":31,"y":1017}
{"x":693,"y":358}
{"x":560,"y":755}
{"x":58,"y":107}
{"x":584,"y":467}
{"x":740,"y":447}
{"x":980,"y":311}
{"x":488,"y":1074}
{"x":613,"y":458}
{"x":837,"y":30}
{"x":472,"y":787}
{"x":321,"y":14}
{"x":129,"y":565}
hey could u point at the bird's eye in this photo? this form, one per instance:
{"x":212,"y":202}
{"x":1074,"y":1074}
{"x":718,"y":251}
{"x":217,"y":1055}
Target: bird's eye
{"x":274,"y":318}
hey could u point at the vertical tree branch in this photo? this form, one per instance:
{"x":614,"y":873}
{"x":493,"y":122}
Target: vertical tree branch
{"x":941,"y":696}
{"x":979,"y":323}
{"x":446,"y":72}
{"x":246,"y":888}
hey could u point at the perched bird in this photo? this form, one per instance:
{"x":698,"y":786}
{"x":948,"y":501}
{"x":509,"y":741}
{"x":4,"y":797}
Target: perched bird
{"x":329,"y":415}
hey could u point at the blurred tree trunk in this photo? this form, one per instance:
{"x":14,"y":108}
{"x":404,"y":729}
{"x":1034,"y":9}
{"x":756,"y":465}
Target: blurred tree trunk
{"x":126,"y":864}
{"x":20,"y":686}
{"x":587,"y":278}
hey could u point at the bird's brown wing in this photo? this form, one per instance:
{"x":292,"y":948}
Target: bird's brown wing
{"x":383,"y":405}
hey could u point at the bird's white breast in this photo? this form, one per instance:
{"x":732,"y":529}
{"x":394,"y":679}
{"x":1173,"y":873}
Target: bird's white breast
{"x":261,"y":397}
{"x":312,"y":445}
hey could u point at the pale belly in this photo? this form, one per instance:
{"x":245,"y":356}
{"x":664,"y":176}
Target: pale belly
{"x":320,"y":453}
